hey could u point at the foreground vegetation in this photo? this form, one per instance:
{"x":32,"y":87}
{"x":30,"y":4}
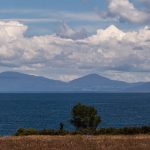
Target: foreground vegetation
{"x":76,"y":142}
{"x":101,"y":131}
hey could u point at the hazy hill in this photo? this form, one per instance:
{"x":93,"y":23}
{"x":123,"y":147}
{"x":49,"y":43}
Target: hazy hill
{"x":19,"y":82}
{"x":140,"y":87}
{"x":94,"y":82}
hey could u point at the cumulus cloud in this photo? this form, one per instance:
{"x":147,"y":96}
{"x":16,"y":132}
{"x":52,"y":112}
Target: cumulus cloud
{"x":109,"y":49}
{"x":11,"y":30}
{"x":125,"y":10}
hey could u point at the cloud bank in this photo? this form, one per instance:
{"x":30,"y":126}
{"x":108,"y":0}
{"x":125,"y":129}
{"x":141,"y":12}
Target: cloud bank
{"x":110,"y":51}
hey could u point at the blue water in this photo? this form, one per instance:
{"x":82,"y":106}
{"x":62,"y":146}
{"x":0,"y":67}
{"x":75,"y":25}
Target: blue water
{"x":48,"y":110}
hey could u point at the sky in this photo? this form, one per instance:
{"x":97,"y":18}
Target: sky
{"x":68,"y":39}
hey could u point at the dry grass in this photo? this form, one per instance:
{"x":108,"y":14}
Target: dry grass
{"x":140,"y":142}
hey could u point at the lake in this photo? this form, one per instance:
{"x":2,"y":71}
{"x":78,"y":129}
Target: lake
{"x":48,"y":110}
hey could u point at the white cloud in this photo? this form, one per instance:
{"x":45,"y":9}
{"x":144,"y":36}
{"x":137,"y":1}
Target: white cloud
{"x":110,"y":33}
{"x":125,"y":10}
{"x":11,"y":30}
{"x":109,"y":50}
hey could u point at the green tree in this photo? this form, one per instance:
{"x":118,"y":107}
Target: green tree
{"x":84,"y":117}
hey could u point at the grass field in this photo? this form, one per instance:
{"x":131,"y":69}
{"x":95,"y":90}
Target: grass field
{"x":139,"y":142}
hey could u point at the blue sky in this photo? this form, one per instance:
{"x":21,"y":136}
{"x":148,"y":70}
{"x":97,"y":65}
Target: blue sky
{"x":51,"y":12}
{"x":65,"y":39}
{"x":31,"y":9}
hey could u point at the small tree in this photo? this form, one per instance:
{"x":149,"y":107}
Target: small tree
{"x":84,"y":117}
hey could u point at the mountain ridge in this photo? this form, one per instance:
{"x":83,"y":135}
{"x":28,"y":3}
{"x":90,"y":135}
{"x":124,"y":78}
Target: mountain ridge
{"x":21,"y":82}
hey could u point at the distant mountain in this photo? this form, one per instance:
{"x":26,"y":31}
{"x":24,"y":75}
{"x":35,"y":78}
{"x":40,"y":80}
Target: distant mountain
{"x":19,"y":82}
{"x":140,"y":87}
{"x":94,"y":82}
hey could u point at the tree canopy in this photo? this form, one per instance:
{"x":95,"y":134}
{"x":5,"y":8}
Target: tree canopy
{"x":84,"y":117}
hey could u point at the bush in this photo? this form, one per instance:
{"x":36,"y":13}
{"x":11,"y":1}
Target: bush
{"x":29,"y":131}
{"x":20,"y":132}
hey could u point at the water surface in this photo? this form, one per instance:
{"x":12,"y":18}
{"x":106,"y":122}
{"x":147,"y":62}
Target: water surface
{"x":48,"y":110}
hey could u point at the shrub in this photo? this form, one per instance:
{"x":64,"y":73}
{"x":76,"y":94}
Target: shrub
{"x":29,"y":131}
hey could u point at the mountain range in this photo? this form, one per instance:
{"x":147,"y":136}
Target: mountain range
{"x":13,"y":82}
